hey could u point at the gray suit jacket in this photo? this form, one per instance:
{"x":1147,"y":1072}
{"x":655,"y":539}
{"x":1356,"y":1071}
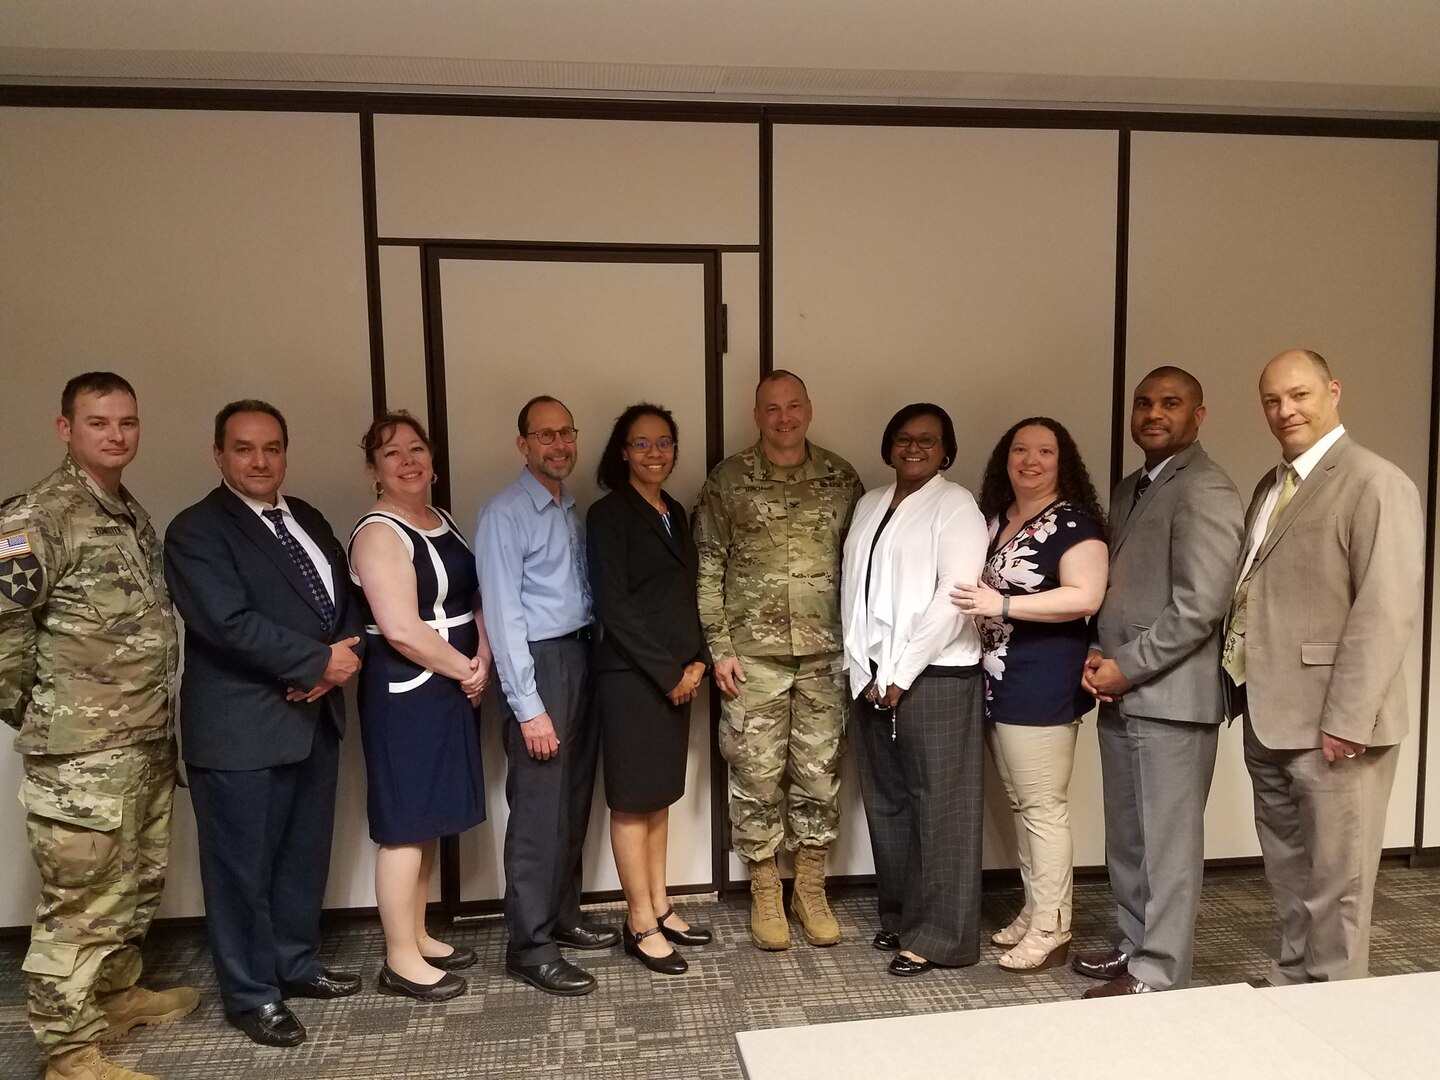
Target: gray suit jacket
{"x":1333,"y":601}
{"x":1172,"y":574}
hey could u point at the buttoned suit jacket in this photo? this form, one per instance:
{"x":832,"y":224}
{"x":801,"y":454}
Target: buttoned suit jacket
{"x":1172,"y":576}
{"x":252,"y":630}
{"x":1332,"y":603}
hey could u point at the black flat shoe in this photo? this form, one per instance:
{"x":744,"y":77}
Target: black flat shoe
{"x":885,"y":941}
{"x":905,"y":967}
{"x":586,"y":936}
{"x":557,"y":977}
{"x":458,"y":960}
{"x":670,"y":964}
{"x":696,"y":935}
{"x":324,"y":986}
{"x":272,"y":1024}
{"x":448,"y":987}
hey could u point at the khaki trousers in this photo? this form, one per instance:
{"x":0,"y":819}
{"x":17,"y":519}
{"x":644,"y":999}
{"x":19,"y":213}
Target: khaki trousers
{"x":1321,"y":827}
{"x":1035,"y":763}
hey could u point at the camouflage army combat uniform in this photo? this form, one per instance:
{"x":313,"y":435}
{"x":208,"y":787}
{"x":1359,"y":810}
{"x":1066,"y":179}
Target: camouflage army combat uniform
{"x":87,"y":672}
{"x":770,"y":540}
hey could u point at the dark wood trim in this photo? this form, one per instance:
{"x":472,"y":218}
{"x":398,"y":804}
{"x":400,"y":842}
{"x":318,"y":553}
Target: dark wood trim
{"x":421,"y":241}
{"x":435,"y":370}
{"x":1120,"y":400}
{"x":257,"y":99}
{"x":1424,"y":858}
{"x":1427,"y":607}
{"x":372,"y":263}
{"x":767,"y":245}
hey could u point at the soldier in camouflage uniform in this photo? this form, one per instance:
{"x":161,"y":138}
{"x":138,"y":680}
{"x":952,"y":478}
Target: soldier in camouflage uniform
{"x":87,"y":675}
{"x":770,"y":527}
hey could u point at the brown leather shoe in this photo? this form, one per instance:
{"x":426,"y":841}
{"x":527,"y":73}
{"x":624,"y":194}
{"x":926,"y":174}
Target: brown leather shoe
{"x":1120,"y":986}
{"x":1104,"y":966}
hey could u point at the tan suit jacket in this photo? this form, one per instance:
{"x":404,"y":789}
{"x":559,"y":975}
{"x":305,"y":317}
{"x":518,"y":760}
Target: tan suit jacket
{"x":1334,"y":598}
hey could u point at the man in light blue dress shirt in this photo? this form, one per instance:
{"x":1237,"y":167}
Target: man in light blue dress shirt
{"x":530,"y":552}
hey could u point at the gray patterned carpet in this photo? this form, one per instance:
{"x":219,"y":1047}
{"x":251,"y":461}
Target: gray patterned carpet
{"x":650,"y":1027}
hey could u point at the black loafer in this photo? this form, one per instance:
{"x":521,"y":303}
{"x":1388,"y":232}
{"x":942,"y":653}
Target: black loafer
{"x":885,"y":941}
{"x":672,"y":963}
{"x":1103,"y":966}
{"x":557,"y":977}
{"x":905,"y":967}
{"x":586,"y":936}
{"x":325,"y":985}
{"x":448,"y":987}
{"x":272,"y":1024}
{"x":458,"y":960}
{"x":696,"y":935}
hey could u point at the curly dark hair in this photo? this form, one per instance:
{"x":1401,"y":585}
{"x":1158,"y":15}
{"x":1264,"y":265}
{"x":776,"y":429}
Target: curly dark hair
{"x":613,"y":472}
{"x":1072,"y":481}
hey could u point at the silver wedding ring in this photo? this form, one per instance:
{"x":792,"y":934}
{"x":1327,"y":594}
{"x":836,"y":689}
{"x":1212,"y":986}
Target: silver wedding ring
{"x":1351,"y":754}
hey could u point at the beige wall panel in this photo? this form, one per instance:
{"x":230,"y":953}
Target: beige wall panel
{"x":599,"y":336}
{"x":1241,"y":246}
{"x":207,"y":256}
{"x":972,"y":268}
{"x":402,"y":316}
{"x":740,"y":285}
{"x":610,"y":181}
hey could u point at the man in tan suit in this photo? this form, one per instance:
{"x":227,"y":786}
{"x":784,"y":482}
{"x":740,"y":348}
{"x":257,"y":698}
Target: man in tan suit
{"x":1326,"y":601}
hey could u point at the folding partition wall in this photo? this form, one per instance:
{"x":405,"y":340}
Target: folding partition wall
{"x":456,"y":256}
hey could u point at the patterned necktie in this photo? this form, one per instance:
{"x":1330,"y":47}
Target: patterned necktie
{"x":1140,"y":488}
{"x":303,"y":564}
{"x":1233,"y":658}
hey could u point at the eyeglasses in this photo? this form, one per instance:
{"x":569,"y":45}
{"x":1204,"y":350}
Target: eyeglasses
{"x":642,"y":446}
{"x":924,"y":442}
{"x":547,"y":437}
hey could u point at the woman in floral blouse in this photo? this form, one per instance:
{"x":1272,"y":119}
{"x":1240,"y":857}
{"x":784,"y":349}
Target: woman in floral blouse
{"x":1046,"y":573}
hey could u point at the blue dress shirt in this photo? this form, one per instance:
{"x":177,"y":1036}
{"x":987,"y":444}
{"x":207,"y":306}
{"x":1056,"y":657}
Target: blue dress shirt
{"x":530,"y":553}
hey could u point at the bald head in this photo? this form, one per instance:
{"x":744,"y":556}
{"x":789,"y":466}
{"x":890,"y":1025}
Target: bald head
{"x":1301,"y":400}
{"x":1166,"y":413}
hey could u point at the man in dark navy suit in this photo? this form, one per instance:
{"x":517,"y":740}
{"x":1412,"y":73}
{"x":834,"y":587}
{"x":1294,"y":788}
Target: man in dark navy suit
{"x":271,"y":634}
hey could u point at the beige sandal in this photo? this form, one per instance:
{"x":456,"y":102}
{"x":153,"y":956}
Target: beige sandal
{"x":1013,"y":933}
{"x":1037,"y":951}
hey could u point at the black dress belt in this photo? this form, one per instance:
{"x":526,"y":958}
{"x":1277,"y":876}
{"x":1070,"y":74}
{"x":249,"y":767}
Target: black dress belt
{"x":947,"y":671}
{"x":583,"y":634}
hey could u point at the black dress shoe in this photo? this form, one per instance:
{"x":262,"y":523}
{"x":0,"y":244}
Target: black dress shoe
{"x":885,"y":941}
{"x":586,"y":936}
{"x":557,"y":977}
{"x":448,"y":987}
{"x":1120,"y":986}
{"x":696,"y":935}
{"x":905,"y":967}
{"x":458,"y":960}
{"x":325,"y":985}
{"x":272,"y":1024}
{"x":672,"y":963}
{"x":1103,"y":966}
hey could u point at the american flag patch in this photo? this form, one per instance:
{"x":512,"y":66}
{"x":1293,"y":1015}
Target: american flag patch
{"x":14,"y":545}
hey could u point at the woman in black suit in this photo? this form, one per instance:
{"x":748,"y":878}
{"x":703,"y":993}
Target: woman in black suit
{"x":649,"y":662}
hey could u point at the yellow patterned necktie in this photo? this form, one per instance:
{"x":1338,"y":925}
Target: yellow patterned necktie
{"x":1233,"y":658}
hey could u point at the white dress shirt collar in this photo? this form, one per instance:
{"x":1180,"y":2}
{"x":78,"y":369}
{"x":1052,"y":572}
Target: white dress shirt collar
{"x":260,"y":507}
{"x":1154,"y":474}
{"x":1306,"y":462}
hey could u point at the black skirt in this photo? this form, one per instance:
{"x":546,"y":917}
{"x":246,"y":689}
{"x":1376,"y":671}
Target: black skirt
{"x":644,"y":740}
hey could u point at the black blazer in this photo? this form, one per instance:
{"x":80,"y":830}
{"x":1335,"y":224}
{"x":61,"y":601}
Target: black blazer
{"x":252,"y":631}
{"x":642,"y":582}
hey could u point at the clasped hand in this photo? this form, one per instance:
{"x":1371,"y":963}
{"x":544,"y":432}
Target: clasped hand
{"x":1102,"y":678}
{"x":342,"y":666}
{"x":689,"y":684}
{"x":479,"y":678}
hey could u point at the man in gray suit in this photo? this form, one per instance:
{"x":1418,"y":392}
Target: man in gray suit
{"x":1175,"y":537}
{"x":1327,"y":600}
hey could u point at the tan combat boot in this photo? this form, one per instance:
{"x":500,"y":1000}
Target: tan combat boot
{"x":88,"y":1063}
{"x":768,"y":928}
{"x":135,"y":1005}
{"x":809,"y":903}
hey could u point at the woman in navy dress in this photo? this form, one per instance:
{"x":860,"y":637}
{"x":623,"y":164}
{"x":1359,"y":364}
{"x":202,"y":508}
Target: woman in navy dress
{"x":428,"y":661}
{"x":1046,"y":574}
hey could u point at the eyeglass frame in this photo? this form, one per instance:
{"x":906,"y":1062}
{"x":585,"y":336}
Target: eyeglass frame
{"x":664,"y":443}
{"x":540,"y":436}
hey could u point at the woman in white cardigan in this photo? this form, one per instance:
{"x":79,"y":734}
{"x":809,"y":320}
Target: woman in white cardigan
{"x":913,"y":662}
